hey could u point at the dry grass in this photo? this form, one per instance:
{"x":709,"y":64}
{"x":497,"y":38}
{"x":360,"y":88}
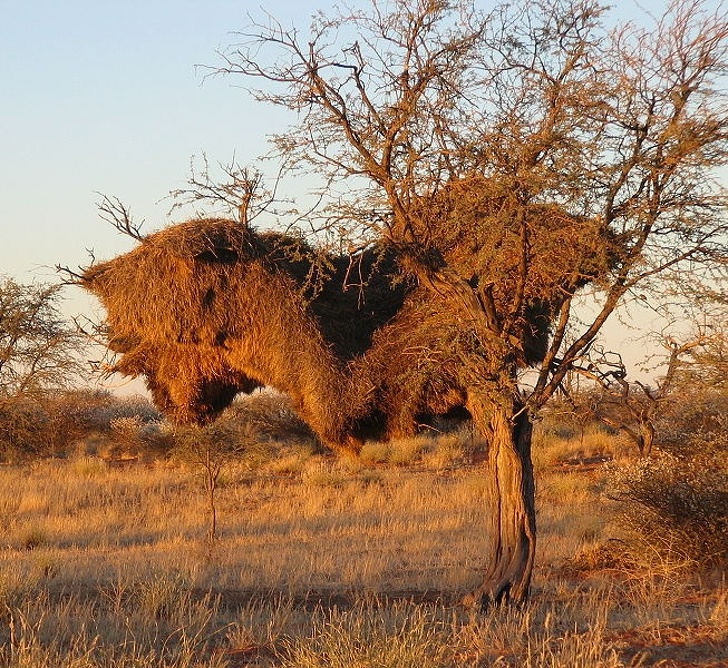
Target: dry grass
{"x":323,"y":562}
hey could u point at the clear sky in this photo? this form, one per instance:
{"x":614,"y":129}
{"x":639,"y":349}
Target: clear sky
{"x":104,"y":96}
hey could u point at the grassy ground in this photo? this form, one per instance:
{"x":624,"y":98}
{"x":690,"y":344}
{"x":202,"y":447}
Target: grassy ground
{"x":320,"y":562}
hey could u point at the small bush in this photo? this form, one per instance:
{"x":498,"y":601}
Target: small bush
{"x":132,"y":437}
{"x":115,"y":408}
{"x":54,"y":423}
{"x":269,"y":415}
{"x":675,"y":509}
{"x":695,"y":425}
{"x":22,"y":423}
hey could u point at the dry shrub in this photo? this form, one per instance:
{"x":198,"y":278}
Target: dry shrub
{"x":696,"y":424}
{"x":44,"y":424}
{"x":114,"y":408}
{"x":63,"y":423}
{"x":218,"y":443}
{"x":257,"y":432}
{"x":270,"y":416}
{"x":133,"y":438}
{"x":675,"y":504}
{"x":675,"y":510}
{"x":73,"y":413}
{"x":22,"y":425}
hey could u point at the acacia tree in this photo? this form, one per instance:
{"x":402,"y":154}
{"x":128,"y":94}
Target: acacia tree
{"x":40,"y":352}
{"x":515,"y":160}
{"x":39,"y":349}
{"x":632,"y":405}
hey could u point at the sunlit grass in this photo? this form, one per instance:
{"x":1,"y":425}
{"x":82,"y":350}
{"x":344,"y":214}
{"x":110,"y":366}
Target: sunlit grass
{"x":321,"y":562}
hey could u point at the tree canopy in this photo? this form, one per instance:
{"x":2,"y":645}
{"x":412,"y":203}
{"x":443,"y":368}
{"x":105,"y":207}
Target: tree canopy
{"x":39,"y":349}
{"x":534,"y":104}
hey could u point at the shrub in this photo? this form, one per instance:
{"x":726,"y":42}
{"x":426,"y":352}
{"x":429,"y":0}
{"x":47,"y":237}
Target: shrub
{"x":211,"y":449}
{"x":695,"y":425}
{"x":675,"y":509}
{"x":269,"y":415}
{"x":22,"y":424}
{"x":52,"y":423}
{"x":115,"y":408}
{"x":71,"y":417}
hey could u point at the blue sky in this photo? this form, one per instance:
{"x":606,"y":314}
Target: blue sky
{"x":105,"y":97}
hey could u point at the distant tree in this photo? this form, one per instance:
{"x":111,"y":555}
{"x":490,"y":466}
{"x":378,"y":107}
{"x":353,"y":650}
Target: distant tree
{"x":39,"y":348}
{"x":631,"y":406}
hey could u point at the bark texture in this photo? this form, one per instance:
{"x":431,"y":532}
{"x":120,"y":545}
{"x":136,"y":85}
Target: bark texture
{"x":511,"y":535}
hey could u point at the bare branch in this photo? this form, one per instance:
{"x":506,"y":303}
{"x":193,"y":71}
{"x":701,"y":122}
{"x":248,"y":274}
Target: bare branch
{"x":234,"y":190}
{"x":119,"y":217}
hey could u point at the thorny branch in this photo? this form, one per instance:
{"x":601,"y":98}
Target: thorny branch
{"x":114,"y":212}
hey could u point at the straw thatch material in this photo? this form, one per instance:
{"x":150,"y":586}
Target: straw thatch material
{"x":479,"y":226}
{"x":209,"y":308}
{"x":424,"y":361}
{"x":413,"y":369}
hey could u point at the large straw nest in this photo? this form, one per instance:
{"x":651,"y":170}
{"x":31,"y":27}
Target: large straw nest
{"x":479,"y":226}
{"x":209,"y":308}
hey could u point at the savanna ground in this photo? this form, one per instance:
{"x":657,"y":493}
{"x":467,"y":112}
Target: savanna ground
{"x":105,"y":558}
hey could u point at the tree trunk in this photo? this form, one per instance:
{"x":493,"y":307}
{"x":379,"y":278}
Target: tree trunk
{"x":510,"y":506}
{"x":646,"y":437}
